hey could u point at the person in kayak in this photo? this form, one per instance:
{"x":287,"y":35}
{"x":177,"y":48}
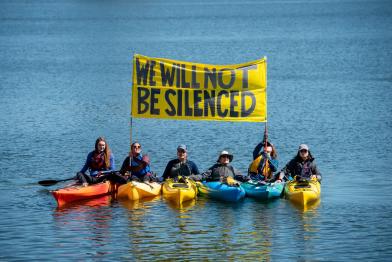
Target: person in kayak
{"x":181,"y":166}
{"x":222,"y":171}
{"x":137,"y":165}
{"x":98,"y":161}
{"x":302,"y":166}
{"x":264,"y":163}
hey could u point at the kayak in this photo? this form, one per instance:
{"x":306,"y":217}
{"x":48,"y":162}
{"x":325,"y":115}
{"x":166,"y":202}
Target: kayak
{"x":303,"y":192}
{"x":137,"y":190}
{"x":78,"y":192}
{"x":179,"y":192}
{"x":221,"y":191}
{"x":263,"y":192}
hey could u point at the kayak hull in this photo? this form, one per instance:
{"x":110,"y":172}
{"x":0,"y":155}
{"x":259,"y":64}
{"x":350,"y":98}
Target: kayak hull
{"x":137,"y":190}
{"x":221,"y":191}
{"x":179,"y":192}
{"x":263,"y":192}
{"x":303,"y":192}
{"x":78,"y":192}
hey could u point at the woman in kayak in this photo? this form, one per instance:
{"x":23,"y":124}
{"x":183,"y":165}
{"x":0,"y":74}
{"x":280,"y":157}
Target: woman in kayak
{"x":136,"y":165}
{"x":222,"y":171}
{"x":302,"y":166}
{"x":181,"y":166}
{"x":264,"y":163}
{"x":98,"y":161}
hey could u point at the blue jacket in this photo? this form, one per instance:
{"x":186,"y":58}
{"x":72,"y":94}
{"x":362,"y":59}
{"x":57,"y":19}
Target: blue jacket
{"x":93,"y":171}
{"x":132,"y":165}
{"x":274,"y":163}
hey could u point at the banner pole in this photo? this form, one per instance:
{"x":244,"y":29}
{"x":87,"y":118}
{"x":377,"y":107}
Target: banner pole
{"x":133,"y":78}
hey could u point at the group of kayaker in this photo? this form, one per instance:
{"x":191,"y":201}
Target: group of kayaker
{"x":136,"y":166}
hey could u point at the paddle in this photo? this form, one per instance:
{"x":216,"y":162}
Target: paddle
{"x":51,"y":182}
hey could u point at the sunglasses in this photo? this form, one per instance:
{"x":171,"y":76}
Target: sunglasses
{"x":225,"y":156}
{"x":303,"y":151}
{"x":181,"y":151}
{"x":136,"y":146}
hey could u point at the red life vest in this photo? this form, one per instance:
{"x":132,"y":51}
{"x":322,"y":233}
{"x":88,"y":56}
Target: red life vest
{"x":97,"y":161}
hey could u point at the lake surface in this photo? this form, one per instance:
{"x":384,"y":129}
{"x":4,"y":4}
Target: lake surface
{"x":65,"y":79}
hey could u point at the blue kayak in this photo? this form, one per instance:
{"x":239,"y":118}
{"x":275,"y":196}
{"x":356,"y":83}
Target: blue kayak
{"x":220,"y":191}
{"x":263,"y":191}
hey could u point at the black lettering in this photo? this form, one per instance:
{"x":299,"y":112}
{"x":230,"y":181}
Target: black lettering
{"x":246,"y":112}
{"x":188,"y":109}
{"x":211,"y":76}
{"x":179,"y":102}
{"x":178,"y":75}
{"x":166,"y":75}
{"x":195,"y":84}
{"x":209,"y":102}
{"x":152,"y":73}
{"x":245,"y":75}
{"x":185,"y":84}
{"x":233,"y":104}
{"x":154,"y":100}
{"x":196,"y":100}
{"x":220,"y":78}
{"x":172,"y":111}
{"x":219,"y":103}
{"x":142,"y":95}
{"x":141,"y":72}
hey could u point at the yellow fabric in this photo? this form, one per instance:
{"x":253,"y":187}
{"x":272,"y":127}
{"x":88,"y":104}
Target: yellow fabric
{"x":163,"y":88}
{"x":253,"y":167}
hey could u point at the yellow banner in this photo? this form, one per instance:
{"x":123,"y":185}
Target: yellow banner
{"x":163,"y":88}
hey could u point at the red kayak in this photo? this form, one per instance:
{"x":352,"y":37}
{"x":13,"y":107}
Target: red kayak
{"x":77,"y":192}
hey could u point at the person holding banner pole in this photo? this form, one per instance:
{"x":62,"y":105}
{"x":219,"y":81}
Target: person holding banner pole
{"x":136,"y":165}
{"x":181,"y":166}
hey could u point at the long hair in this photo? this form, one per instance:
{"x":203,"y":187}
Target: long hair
{"x":274,"y":153}
{"x":106,"y":152}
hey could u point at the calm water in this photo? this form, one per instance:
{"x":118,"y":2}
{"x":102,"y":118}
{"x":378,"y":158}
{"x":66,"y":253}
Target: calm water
{"x":65,"y":70}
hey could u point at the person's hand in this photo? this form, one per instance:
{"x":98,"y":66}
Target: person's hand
{"x":278,"y":180}
{"x":99,"y":174}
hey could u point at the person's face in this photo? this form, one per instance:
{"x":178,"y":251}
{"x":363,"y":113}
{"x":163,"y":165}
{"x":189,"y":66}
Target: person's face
{"x":101,"y":146}
{"x":268,"y":150}
{"x":224,"y":159}
{"x":136,"y":148}
{"x":181,"y":154}
{"x":304,"y":153}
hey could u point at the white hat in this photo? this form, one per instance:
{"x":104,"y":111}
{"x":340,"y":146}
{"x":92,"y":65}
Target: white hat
{"x":303,"y":146}
{"x":225,"y":153}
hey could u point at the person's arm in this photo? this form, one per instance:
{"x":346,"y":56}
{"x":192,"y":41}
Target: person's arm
{"x":315,"y":171}
{"x":166,"y":173}
{"x":194,"y":169}
{"x":257,"y":150}
{"x":86,"y":164}
{"x":285,"y":171}
{"x":124,"y":166}
{"x":112,"y":165}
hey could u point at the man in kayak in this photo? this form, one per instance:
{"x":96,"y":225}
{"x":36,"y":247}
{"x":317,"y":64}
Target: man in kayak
{"x":264,"y":163}
{"x":97,"y":162}
{"x":137,"y":165}
{"x":302,"y":166}
{"x":181,"y":166}
{"x":222,"y":171}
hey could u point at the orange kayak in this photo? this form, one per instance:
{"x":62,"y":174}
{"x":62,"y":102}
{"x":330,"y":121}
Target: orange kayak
{"x":77,"y":192}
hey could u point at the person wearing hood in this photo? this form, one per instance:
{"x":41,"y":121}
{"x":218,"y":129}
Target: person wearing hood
{"x":303,"y":165}
{"x":223,"y":171}
{"x":137,"y":165}
{"x":99,"y":160}
{"x":181,"y":166}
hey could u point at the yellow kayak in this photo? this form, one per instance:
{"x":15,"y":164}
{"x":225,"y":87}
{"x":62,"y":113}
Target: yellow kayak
{"x":179,"y":192}
{"x":303,"y":192}
{"x":137,"y":190}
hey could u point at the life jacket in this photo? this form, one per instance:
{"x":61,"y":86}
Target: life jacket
{"x":217,"y":172}
{"x":97,"y":161}
{"x":257,"y":167}
{"x":180,"y":169}
{"x":135,"y":162}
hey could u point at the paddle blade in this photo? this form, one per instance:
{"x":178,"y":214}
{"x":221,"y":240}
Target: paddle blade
{"x":47,"y":182}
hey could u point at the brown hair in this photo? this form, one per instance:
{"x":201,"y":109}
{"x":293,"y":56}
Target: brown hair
{"x":107,"y":151}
